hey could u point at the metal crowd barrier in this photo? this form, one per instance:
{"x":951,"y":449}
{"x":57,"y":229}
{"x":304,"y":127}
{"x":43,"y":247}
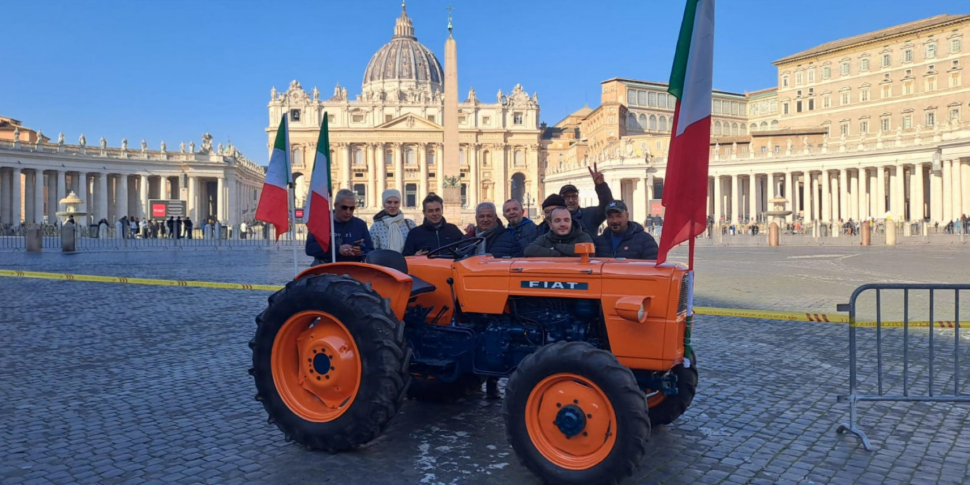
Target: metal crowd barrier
{"x":105,"y":238}
{"x":884,"y":370}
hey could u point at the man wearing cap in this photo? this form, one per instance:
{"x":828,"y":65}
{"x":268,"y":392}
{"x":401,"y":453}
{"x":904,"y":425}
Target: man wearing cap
{"x":589,"y":217}
{"x":624,"y":238}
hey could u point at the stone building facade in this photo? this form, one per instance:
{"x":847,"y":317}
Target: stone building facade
{"x":871,"y":126}
{"x":35,"y":173}
{"x":391,"y":135}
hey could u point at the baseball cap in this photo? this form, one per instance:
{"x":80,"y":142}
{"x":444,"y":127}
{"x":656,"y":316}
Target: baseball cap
{"x":567,"y":189}
{"x":554,"y":200}
{"x":616,"y":206}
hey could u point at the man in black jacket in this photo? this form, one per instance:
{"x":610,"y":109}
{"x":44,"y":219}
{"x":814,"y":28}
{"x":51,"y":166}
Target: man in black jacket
{"x":434,"y":233}
{"x":553,"y":202}
{"x":624,"y":239}
{"x":590,"y":217}
{"x":351,"y":238}
{"x":561,"y":240}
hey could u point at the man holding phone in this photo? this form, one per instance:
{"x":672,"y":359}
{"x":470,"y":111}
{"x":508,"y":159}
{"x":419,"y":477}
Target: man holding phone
{"x":351,"y":236}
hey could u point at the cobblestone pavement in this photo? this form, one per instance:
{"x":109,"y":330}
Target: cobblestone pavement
{"x":124,"y":384}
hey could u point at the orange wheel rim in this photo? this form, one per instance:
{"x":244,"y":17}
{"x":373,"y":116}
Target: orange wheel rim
{"x":654,"y":398}
{"x":316,"y":366}
{"x":570,"y":421}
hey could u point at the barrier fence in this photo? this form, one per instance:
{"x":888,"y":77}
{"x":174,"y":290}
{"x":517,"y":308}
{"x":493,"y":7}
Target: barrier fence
{"x":108,"y":238}
{"x":921,"y":354}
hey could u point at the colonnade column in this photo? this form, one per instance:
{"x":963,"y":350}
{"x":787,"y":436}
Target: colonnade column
{"x":345,"y":167}
{"x":916,"y":193}
{"x":752,"y":201}
{"x":52,"y":196}
{"x":501,"y":181}
{"x":957,"y":189}
{"x":61,"y":185}
{"x":899,"y":193}
{"x":369,"y":156}
{"x":221,"y":199}
{"x":101,"y":209}
{"x":423,"y":165}
{"x":862,"y":181}
{"x":735,"y":207}
{"x":854,"y":196}
{"x":38,"y":202}
{"x":947,"y":180}
{"x":473,"y":177}
{"x":399,"y":171}
{"x":936,"y":194}
{"x":231,"y":202}
{"x":843,"y":194}
{"x":965,"y":182}
{"x":121,"y":196}
{"x":880,"y":206}
{"x":717,"y":199}
{"x":826,"y":199}
{"x":810,"y":210}
{"x":82,"y":187}
{"x":381,"y":163}
{"x":143,"y":196}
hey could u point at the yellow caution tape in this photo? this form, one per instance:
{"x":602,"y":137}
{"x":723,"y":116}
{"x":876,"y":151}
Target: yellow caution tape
{"x":710,"y":311}
{"x":136,"y":281}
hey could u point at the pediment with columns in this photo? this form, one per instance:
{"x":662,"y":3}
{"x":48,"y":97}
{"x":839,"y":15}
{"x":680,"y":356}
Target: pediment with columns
{"x":410,"y":122}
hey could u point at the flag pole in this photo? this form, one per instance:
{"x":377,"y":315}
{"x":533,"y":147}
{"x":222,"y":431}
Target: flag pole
{"x":292,"y":204}
{"x":333,"y":235}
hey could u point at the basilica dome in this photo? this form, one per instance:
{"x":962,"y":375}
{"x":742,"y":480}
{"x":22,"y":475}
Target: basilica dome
{"x":403,"y":64}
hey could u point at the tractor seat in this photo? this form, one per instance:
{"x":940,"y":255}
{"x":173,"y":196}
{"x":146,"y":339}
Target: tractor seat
{"x":395,"y":260}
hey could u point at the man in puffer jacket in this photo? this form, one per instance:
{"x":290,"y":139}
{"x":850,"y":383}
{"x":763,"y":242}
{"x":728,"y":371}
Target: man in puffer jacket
{"x":564,"y":233}
{"x":622,"y":238}
{"x":434,"y":233}
{"x":524,"y":230}
{"x":499,"y":242}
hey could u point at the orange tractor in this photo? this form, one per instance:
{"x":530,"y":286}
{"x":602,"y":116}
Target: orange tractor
{"x":596,"y":350}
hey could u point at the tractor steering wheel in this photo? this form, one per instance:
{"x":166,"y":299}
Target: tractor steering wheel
{"x":458,"y":249}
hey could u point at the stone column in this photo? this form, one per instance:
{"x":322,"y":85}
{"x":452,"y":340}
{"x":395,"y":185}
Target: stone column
{"x":735,"y":204}
{"x":221,"y":198}
{"x":473,"y":198}
{"x":843,"y":194}
{"x":121,"y":196}
{"x":51,"y":197}
{"x":192,"y":206}
{"x":947,"y":179}
{"x":916,"y":193}
{"x":38,"y":199}
{"x":936,"y":195}
{"x":758,"y":192}
{"x":826,"y":198}
{"x":82,"y":186}
{"x":399,"y":172}
{"x":957,"y":189}
{"x":639,"y":211}
{"x":61,"y":184}
{"x":381,"y":164}
{"x":811,"y":213}
{"x":862,"y":181}
{"x":854,"y":197}
{"x":650,"y":192}
{"x":752,"y":200}
{"x":422,"y":157}
{"x":146,"y":211}
{"x":501,"y":180}
{"x":718,"y":201}
{"x":965,"y":183}
{"x":880,"y":192}
{"x":101,"y":211}
{"x":345,"y":167}
{"x":899,"y":193}
{"x":369,"y":156}
{"x":16,"y":209}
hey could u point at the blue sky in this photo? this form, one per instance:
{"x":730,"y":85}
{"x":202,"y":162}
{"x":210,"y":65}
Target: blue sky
{"x":173,"y":70}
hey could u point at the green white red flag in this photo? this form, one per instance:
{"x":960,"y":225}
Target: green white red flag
{"x":274,"y":201}
{"x":685,"y":184}
{"x":319,"y":220}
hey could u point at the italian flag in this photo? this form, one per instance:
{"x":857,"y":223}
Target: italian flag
{"x":685,"y":184}
{"x":318,"y":218}
{"x":273,"y":201}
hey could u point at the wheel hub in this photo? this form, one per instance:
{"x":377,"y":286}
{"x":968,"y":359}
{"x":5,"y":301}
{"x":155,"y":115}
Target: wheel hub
{"x":571,"y":420}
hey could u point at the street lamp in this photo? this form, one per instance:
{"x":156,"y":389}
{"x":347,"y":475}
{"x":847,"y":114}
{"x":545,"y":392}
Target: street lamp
{"x":528,"y":204}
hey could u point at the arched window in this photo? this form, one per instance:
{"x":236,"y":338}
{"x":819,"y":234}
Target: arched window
{"x":358,"y":156}
{"x":717,"y":128}
{"x":734,"y":129}
{"x":518,"y":186}
{"x":631,"y":121}
{"x":643,"y":121}
{"x":519,"y":158}
{"x":431,"y":158}
{"x":774,"y":125}
{"x":764,"y":126}
{"x":663,"y":123}
{"x":486,"y":158}
{"x":389,"y":158}
{"x":653,"y":122}
{"x":754,"y":127}
{"x":744,"y":129}
{"x":410,"y":156}
{"x":297,"y":157}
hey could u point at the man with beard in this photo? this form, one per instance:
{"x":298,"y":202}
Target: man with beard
{"x":624,"y":239}
{"x":524,"y":230}
{"x":589,"y":217}
{"x":434,"y":233}
{"x":564,"y":233}
{"x":499,"y":242}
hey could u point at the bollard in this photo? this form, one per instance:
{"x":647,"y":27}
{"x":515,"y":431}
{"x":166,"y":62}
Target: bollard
{"x":907,"y":229}
{"x":773,"y":234}
{"x":890,"y":232}
{"x":68,"y":238}
{"x":33,"y":240}
{"x":866,"y":233}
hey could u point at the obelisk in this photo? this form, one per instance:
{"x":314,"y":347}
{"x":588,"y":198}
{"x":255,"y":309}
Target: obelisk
{"x":451,"y":171}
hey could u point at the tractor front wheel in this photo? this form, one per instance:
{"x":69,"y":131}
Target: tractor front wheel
{"x":665,"y":409}
{"x":330,"y":362}
{"x":574,"y":415}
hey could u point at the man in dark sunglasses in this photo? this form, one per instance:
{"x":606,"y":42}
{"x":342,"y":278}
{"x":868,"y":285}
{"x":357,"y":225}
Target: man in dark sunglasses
{"x":351,"y":237}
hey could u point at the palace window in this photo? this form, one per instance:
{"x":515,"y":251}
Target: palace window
{"x":631,"y":97}
{"x":907,"y":87}
{"x":462,"y":120}
{"x":294,"y":115}
{"x":931,"y":50}
{"x":431,"y":118}
{"x":388,"y":118}
{"x":409,"y":156}
{"x":887,"y":91}
{"x":931,"y":83}
{"x":955,"y":79}
{"x":333,"y":118}
{"x":461,"y":157}
{"x":884,"y":124}
{"x":886,"y":60}
{"x":464,"y":195}
{"x":389,"y":158}
{"x":784,"y":108}
{"x":717,"y":107}
{"x":662,"y":101}
{"x":864,"y":64}
{"x":826,"y":101}
{"x":652,"y":99}
{"x":798,"y":106}
{"x":954,"y":114}
{"x":908,"y":55}
{"x":844,"y":98}
{"x":844,"y":127}
{"x":907,"y":122}
{"x":360,"y":194}
{"x":864,"y":94}
{"x":641,"y":98}
{"x":663,"y":123}
{"x":517,"y":118}
{"x":431,"y":158}
{"x":784,"y":81}
{"x":844,"y":68}
{"x":811,"y":104}
{"x":864,"y":126}
{"x":955,"y":45}
{"x":357,"y":118}
{"x":717,"y":128}
{"x":930,"y":119}
{"x":653,"y":122}
{"x":519,"y":158}
{"x":411,"y":195}
{"x":799,"y":78}
{"x":826,"y":72}
{"x":811,"y":75}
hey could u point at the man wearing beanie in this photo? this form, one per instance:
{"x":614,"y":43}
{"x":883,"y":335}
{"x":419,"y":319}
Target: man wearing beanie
{"x":590,"y":217}
{"x":391,"y":228}
{"x":554,"y":201}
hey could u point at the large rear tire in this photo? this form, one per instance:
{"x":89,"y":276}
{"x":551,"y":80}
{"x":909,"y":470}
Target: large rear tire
{"x":574,"y":415}
{"x":330,"y":362}
{"x":666,"y":409}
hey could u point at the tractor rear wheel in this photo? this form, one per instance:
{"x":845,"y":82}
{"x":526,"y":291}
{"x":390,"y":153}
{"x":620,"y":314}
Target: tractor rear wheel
{"x":330,"y":362}
{"x":429,"y":389}
{"x":665,"y":409}
{"x":574,"y":415}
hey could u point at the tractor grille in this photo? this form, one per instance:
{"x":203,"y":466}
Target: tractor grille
{"x":684,"y":291}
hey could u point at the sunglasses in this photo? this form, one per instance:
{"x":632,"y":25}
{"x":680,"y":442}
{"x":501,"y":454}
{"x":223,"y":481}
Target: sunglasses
{"x":347,"y":207}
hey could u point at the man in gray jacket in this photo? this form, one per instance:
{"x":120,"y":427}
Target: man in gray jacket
{"x":564,"y":233}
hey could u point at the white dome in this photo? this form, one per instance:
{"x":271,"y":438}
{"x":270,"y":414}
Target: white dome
{"x":403,"y":61}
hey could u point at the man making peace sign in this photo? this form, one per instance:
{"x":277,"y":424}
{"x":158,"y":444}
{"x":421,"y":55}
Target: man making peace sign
{"x":590,"y":217}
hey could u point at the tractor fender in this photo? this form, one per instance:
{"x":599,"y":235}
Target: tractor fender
{"x":387,"y":282}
